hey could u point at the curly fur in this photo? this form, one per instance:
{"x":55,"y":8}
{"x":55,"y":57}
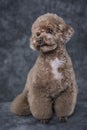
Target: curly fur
{"x":51,"y":82}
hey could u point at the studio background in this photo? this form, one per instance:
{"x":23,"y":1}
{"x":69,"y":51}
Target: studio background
{"x":16,"y":58}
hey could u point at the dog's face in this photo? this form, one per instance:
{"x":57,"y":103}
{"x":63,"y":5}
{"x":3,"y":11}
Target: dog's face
{"x":49,"y":31}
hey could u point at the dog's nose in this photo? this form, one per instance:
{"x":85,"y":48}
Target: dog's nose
{"x":40,"y":41}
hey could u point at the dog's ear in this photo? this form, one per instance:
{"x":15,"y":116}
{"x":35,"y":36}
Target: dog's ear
{"x":67,"y":33}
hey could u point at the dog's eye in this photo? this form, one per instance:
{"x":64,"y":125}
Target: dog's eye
{"x":49,"y":30}
{"x":38,"y":33}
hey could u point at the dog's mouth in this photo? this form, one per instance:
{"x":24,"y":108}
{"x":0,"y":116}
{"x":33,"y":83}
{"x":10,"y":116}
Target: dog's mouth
{"x":46,"y":47}
{"x":43,"y":45}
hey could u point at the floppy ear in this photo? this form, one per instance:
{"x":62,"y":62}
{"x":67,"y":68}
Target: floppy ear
{"x":68,"y":33}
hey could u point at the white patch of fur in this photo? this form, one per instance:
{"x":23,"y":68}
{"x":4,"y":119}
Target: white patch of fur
{"x":34,"y":41}
{"x":32,"y":46}
{"x":55,"y":64}
{"x":49,"y":36}
{"x":61,"y":27}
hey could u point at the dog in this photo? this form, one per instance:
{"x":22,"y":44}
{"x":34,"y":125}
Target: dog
{"x":51,"y":84}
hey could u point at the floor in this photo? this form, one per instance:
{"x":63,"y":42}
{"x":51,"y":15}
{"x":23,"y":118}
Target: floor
{"x":9,"y":121}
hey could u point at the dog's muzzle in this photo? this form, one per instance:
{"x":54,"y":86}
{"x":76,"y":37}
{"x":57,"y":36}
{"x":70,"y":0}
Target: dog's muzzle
{"x":40,"y":42}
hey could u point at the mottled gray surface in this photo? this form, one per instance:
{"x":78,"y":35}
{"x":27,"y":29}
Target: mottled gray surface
{"x":9,"y":121}
{"x":16,"y":58}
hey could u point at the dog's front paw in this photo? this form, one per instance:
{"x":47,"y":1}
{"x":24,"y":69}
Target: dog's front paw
{"x":63,"y":119}
{"x":45,"y":121}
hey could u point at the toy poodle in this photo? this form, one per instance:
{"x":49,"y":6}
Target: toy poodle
{"x":51,"y":85}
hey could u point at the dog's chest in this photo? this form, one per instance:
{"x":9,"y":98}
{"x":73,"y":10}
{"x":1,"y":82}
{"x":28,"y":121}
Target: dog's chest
{"x":55,"y":65}
{"x":49,"y":75}
{"x":50,"y":70}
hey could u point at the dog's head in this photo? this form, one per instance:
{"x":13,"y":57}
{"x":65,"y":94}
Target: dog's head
{"x":48,"y":31}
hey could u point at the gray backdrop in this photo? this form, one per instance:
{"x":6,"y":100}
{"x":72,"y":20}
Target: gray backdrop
{"x":16,"y":58}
